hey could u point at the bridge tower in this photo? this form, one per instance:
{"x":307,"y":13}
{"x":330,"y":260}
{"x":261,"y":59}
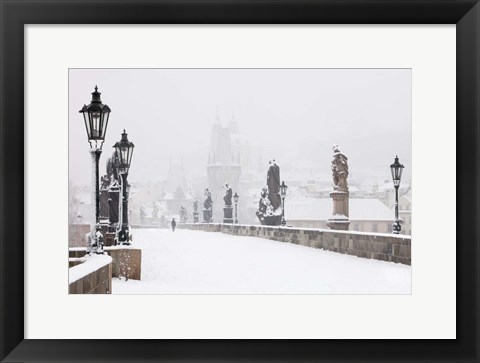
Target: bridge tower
{"x":223,"y":166}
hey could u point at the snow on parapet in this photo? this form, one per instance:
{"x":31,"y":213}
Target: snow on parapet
{"x":92,"y":263}
{"x":120,"y":247}
{"x":290,"y":228}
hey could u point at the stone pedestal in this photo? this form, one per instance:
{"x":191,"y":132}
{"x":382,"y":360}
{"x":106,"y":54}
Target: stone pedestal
{"x":339,"y":219}
{"x":207,"y":216}
{"x":104,"y":208}
{"x":195,"y":217}
{"x":104,"y":228}
{"x":109,"y":239}
{"x":113,"y":199}
{"x":228,"y":214}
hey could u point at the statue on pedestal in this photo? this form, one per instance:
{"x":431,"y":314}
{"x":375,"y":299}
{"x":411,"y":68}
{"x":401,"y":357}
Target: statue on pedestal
{"x":270,"y":204}
{"x":104,"y":207}
{"x":228,"y":209}
{"x":113,"y":187}
{"x":264,"y":205}
{"x":195,"y":210}
{"x":339,"y":169}
{"x":273,"y":182}
{"x":228,"y":196}
{"x":207,"y":206}
{"x":207,"y":203}
{"x":104,"y":182}
{"x":340,"y":215}
{"x":112,"y":167}
{"x":183,"y":214}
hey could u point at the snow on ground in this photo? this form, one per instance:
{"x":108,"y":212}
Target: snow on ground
{"x":197,"y":262}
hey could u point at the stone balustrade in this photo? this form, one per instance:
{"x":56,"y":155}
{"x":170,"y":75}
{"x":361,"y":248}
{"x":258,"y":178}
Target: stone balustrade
{"x":379,"y":246}
{"x":92,"y":275}
{"x":126,"y":260}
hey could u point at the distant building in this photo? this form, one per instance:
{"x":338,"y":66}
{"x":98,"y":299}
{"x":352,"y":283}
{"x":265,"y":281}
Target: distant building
{"x":405,"y":212}
{"x":141,"y":202}
{"x":176,"y":192}
{"x":322,"y":189}
{"x":175,"y":178}
{"x":81,"y":215}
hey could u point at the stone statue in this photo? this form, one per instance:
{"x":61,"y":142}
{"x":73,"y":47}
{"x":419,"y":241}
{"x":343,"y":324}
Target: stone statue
{"x":207,"y":206}
{"x":228,"y":196}
{"x":339,"y":169}
{"x":112,"y":167}
{"x":183,"y":214}
{"x":105,"y":182}
{"x":195,"y":210}
{"x":104,"y":196}
{"x":207,"y":203}
{"x":273,"y":183}
{"x":264,"y":205}
{"x":270,"y":204}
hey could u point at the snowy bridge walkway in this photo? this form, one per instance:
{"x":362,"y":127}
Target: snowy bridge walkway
{"x":196,"y":262}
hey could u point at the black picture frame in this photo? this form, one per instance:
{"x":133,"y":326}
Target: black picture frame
{"x":15,"y":14}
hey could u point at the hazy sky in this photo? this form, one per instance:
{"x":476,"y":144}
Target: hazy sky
{"x":295,"y":114}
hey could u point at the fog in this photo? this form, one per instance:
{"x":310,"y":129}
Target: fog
{"x":292,"y":115}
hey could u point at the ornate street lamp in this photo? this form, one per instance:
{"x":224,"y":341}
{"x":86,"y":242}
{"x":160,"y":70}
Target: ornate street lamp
{"x":124,"y":151}
{"x":396,"y":169}
{"x":235,"y":199}
{"x":95,"y":116}
{"x":283,"y":193}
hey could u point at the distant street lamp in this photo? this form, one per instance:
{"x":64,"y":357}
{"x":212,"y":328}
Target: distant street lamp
{"x":124,"y":151}
{"x":396,"y":169}
{"x":283,"y":193}
{"x":235,"y":199}
{"x":95,"y":116}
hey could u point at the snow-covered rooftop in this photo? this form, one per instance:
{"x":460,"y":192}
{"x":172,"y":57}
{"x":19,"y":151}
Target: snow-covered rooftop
{"x":407,"y":196}
{"x":322,"y":209}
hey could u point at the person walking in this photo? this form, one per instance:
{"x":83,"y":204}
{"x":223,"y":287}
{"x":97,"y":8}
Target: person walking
{"x":174,"y":224}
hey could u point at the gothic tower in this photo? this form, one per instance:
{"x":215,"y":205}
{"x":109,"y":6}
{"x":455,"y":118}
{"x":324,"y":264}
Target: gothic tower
{"x":223,"y":167}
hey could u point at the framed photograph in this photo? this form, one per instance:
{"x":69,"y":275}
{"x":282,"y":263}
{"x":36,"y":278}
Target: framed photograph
{"x":234,"y":127}
{"x":208,"y":172}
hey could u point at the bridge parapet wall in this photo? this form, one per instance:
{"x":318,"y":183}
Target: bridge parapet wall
{"x":92,"y":275}
{"x":378,"y":246}
{"x":126,"y":260}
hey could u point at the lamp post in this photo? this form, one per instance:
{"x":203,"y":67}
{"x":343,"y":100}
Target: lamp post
{"x":235,"y":199}
{"x":124,"y":151}
{"x":396,"y":168}
{"x":283,"y":193}
{"x":95,"y":116}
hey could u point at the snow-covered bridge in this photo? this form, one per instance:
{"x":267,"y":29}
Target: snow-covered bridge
{"x":197,"y":262}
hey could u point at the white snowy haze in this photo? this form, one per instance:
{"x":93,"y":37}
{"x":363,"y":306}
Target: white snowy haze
{"x":292,"y":115}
